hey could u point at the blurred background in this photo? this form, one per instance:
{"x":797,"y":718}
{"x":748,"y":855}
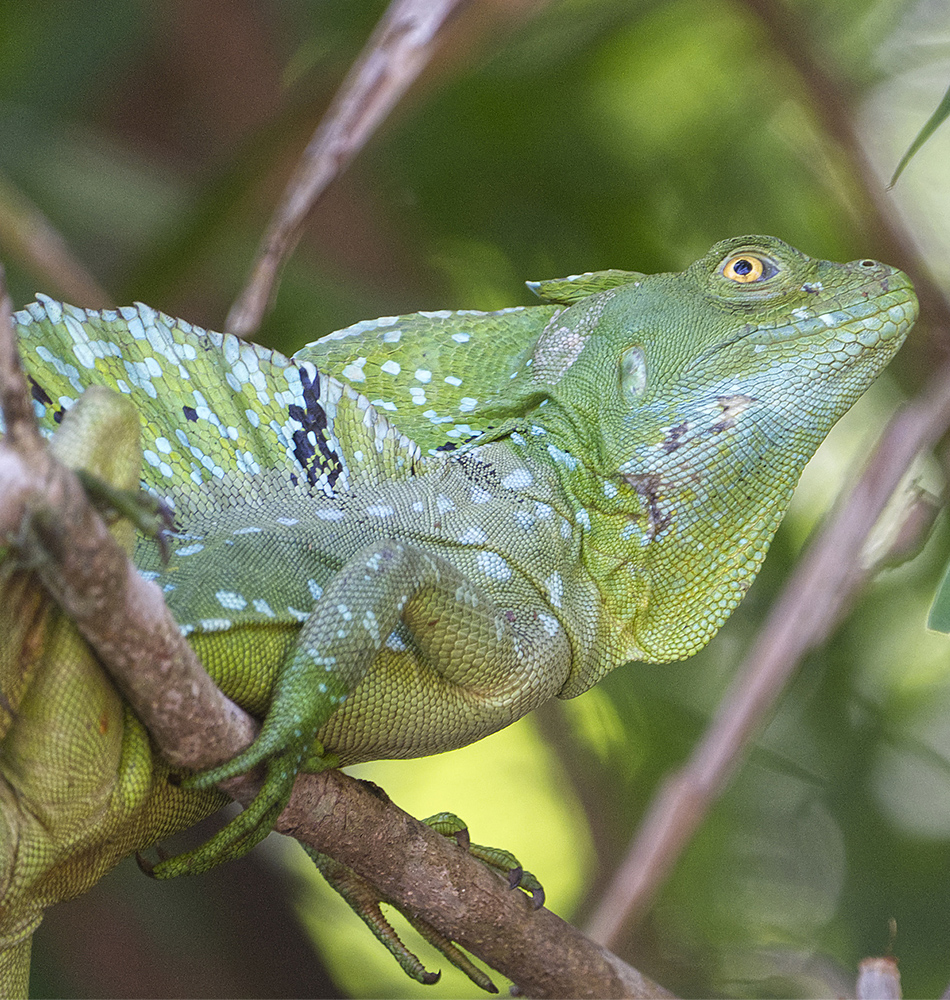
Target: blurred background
{"x":545,"y":139}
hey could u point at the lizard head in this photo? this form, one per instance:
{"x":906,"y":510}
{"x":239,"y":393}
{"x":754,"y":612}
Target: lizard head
{"x":697,"y":398}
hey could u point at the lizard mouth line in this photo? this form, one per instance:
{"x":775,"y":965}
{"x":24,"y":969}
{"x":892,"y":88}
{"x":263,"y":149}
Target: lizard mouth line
{"x":868,"y":322}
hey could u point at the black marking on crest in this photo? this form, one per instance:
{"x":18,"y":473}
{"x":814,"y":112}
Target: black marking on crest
{"x":42,"y":396}
{"x":312,"y":417}
{"x":39,"y":393}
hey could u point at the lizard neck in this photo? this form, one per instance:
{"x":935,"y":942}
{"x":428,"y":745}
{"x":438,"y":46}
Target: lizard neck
{"x":615,"y":527}
{"x":674,"y":536}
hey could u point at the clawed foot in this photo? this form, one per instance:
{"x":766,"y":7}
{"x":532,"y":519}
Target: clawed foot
{"x":146,"y":513}
{"x":286,"y":744}
{"x":503,"y":862}
{"x":365,"y":901}
{"x":254,"y":823}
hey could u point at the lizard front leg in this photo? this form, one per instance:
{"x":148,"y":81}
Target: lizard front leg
{"x":481,"y":657}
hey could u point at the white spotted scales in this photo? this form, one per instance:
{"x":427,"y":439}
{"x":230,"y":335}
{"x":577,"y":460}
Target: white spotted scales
{"x":419,"y":528}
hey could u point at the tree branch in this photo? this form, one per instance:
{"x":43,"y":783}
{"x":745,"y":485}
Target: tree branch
{"x":828,"y":575}
{"x":396,"y":53}
{"x":28,"y":236}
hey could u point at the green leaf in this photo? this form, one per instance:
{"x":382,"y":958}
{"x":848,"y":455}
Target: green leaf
{"x":932,"y":124}
{"x":939,"y":617}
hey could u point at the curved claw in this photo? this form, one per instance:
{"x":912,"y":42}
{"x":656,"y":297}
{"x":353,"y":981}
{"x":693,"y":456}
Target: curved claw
{"x":452,"y":952}
{"x":365,"y":901}
{"x":518,"y":878}
{"x":501,"y":861}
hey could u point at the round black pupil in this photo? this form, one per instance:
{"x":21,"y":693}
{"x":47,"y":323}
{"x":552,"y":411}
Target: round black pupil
{"x":742,"y":266}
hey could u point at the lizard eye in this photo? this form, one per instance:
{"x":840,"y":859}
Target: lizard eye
{"x":745,"y":268}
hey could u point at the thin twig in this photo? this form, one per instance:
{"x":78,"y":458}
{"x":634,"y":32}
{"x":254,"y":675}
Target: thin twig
{"x":827,"y":576}
{"x":398,"y":50}
{"x":821,"y":586}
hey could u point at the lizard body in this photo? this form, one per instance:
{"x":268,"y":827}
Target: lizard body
{"x":418,"y":529}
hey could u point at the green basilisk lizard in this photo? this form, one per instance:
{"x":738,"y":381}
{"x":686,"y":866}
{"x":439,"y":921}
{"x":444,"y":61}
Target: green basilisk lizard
{"x":417,"y":529}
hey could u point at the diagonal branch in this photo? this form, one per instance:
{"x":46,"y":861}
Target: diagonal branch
{"x":395,"y":55}
{"x":29,"y":237}
{"x":829,"y":574}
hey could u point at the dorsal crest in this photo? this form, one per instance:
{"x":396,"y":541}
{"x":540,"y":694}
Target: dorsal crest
{"x":212,"y":407}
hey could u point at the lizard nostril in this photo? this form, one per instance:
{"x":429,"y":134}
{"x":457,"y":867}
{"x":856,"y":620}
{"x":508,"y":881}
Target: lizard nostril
{"x":868,"y":263}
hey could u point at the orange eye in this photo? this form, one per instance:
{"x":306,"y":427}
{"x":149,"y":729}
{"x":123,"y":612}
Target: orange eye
{"x":745,"y":268}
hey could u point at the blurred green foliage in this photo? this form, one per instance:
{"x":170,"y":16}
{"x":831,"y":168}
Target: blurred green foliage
{"x":594,"y":134}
